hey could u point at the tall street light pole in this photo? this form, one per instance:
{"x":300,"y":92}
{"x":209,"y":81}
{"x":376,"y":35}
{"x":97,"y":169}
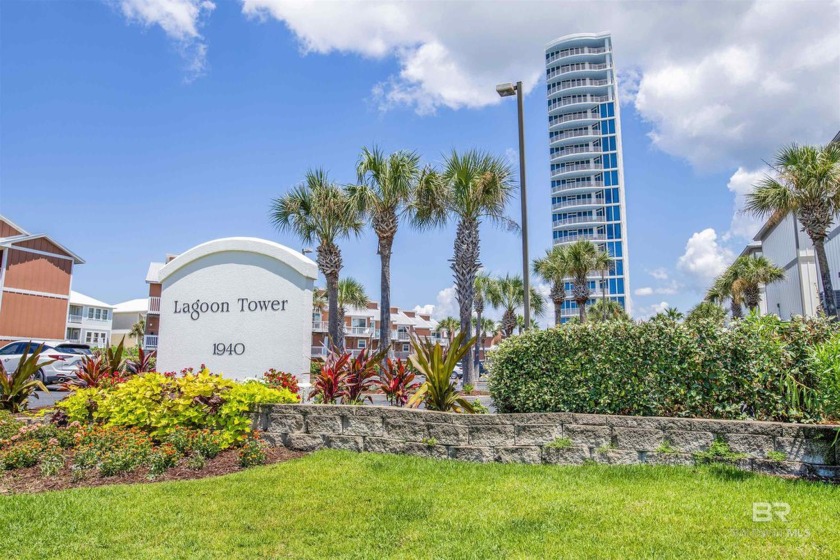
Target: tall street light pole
{"x":506,"y":90}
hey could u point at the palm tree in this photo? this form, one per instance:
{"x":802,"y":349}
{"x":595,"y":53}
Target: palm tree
{"x":319,"y":299}
{"x":553,"y":268}
{"x":726,"y":286}
{"x":482,"y":328}
{"x":605,"y":310}
{"x":138,"y":330}
{"x":673,"y":314}
{"x":481,"y":285}
{"x":385,"y":194}
{"x":508,"y":293}
{"x":602,"y":265}
{"x":350,"y":293}
{"x":582,"y":258}
{"x":318,"y":211}
{"x":449,"y":325}
{"x":753,"y":272}
{"x":807,"y":184}
{"x":472,"y":186}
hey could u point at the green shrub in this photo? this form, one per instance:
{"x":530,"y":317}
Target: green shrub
{"x":52,"y":461}
{"x":160,"y":404}
{"x":206,"y":443}
{"x":21,"y":455}
{"x":660,"y":368}
{"x":479,"y":408}
{"x":162,"y":458}
{"x":826,"y":358}
{"x":196,"y":462}
{"x":776,"y":456}
{"x":719,"y":452}
{"x":252,"y":453}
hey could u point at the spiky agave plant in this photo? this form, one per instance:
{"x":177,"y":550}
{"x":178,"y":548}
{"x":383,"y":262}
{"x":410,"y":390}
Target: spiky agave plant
{"x":18,"y":386}
{"x":436,"y":364}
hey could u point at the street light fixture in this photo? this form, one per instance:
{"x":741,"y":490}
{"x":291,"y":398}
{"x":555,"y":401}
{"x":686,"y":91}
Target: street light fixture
{"x":506,"y":90}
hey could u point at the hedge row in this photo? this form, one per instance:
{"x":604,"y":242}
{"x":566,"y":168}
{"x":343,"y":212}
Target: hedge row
{"x":663,"y":368}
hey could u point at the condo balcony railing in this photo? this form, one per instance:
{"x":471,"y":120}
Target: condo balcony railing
{"x":575,"y":51}
{"x":150,"y":342}
{"x":74,"y":318}
{"x":574,"y":133}
{"x":570,"y":84}
{"x":359,"y":331}
{"x":400,"y":335}
{"x":582,"y":237}
{"x":319,"y":351}
{"x":74,"y":338}
{"x":578,"y":220}
{"x":579,"y":116}
{"x":578,"y":167}
{"x":576,"y":99}
{"x":570,"y":150}
{"x":320,"y":326}
{"x":580,"y":67}
{"x":577,"y":185}
{"x":583,"y":201}
{"x":154,"y":305}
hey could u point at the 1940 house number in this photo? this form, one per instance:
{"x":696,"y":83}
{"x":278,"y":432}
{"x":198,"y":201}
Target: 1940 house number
{"x":222,"y":349}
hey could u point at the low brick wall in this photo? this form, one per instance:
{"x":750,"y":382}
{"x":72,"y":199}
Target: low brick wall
{"x":523,"y":438}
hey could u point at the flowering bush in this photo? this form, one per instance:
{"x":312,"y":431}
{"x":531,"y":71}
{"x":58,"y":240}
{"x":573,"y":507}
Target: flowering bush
{"x":282,"y":380}
{"x":252,"y":452}
{"x":21,"y":454}
{"x":160,"y":404}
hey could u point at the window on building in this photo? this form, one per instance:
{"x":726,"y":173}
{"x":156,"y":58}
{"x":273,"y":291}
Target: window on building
{"x":362,"y":343}
{"x":90,"y":312}
{"x":97,"y":314}
{"x":406,"y":348}
{"x":358,"y":322}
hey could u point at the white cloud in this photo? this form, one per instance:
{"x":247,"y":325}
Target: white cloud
{"x":669,"y":289}
{"x":659,"y":273}
{"x":741,"y":183}
{"x":646,"y":291}
{"x":717,"y":86}
{"x":180,"y":20}
{"x":648,"y":311}
{"x":446,"y":305}
{"x":704,"y":259}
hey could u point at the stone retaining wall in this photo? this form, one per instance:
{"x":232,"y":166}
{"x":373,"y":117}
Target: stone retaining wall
{"x":526,"y":438}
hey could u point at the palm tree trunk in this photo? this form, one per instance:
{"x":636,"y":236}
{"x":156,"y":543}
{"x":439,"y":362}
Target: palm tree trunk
{"x":825,"y":277}
{"x":480,"y":342}
{"x":508,"y":322}
{"x":385,"y":293}
{"x":558,"y":295}
{"x":329,"y":263}
{"x":752,"y":297}
{"x":604,"y":294}
{"x":340,"y":340}
{"x":465,"y":266}
{"x":735,"y":309}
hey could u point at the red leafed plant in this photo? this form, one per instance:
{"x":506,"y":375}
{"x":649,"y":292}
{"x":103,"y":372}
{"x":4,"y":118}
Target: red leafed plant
{"x":143,"y":363}
{"x":397,"y":382}
{"x":94,"y":372}
{"x":282,"y":380}
{"x":331,"y":383}
{"x":362,"y":376}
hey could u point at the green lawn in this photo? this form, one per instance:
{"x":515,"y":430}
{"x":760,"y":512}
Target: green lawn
{"x":340,"y":504}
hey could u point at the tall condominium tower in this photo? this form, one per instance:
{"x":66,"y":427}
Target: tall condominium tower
{"x":587,"y":172}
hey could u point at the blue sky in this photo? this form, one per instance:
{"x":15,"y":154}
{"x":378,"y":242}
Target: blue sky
{"x":114,"y":143}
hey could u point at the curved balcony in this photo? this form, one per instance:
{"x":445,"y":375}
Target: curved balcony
{"x":582,"y":202}
{"x":574,"y":52}
{"x":576,"y":84}
{"x":582,"y":68}
{"x":575,"y":168}
{"x":573,"y":119}
{"x":576,"y":100}
{"x":589,"y":220}
{"x":574,"y":151}
{"x":577,"y":186}
{"x":582,"y":237}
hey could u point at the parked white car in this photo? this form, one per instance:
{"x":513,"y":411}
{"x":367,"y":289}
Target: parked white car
{"x":64,"y":367}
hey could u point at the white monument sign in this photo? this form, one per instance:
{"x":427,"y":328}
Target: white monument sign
{"x":239,"y":305}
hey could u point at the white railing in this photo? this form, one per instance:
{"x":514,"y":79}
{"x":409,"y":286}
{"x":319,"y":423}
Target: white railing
{"x":319,"y":351}
{"x":574,"y":133}
{"x":400,"y":335}
{"x":565,"y":53}
{"x":579,"y":116}
{"x":578,"y":167}
{"x":574,"y":99}
{"x":571,"y":84}
{"x":579,"y":202}
{"x":150,"y":342}
{"x":577,"y":185}
{"x":579,"y":67}
{"x":77,"y":338}
{"x":154,"y":305}
{"x":74,"y":318}
{"x":320,"y":326}
{"x":571,"y":150}
{"x":582,"y":237}
{"x":358,"y":331}
{"x":578,"y":220}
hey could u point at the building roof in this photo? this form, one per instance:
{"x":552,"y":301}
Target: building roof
{"x":78,"y":298}
{"x":11,"y":240}
{"x":152,"y":273}
{"x":140,"y":305}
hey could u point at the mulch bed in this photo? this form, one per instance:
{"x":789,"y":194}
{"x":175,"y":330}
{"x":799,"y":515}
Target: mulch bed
{"x":30,"y":480}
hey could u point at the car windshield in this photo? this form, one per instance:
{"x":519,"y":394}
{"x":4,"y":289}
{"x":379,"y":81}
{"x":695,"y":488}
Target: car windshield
{"x":73,"y":349}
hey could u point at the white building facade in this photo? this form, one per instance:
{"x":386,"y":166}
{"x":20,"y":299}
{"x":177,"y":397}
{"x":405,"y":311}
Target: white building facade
{"x":126,"y":315}
{"x":587,"y":171}
{"x":89,"y":320}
